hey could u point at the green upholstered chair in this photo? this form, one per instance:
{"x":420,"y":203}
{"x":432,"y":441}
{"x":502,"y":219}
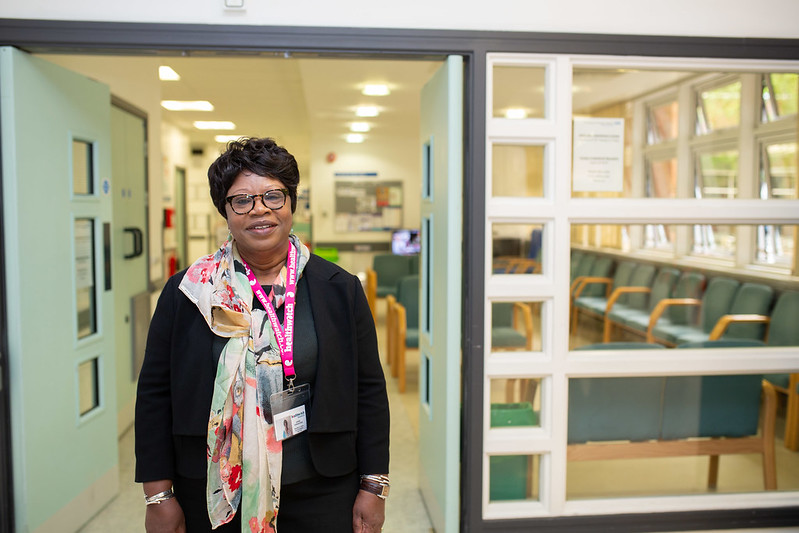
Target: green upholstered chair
{"x":591,"y":292}
{"x":382,"y":278}
{"x":783,"y":330}
{"x":726,"y":406}
{"x":610,"y":409}
{"x":582,"y":267}
{"x":715,"y":303}
{"x":633,"y":315}
{"x":576,"y":257}
{"x":511,"y":326}
{"x":748,"y":314}
{"x":632,"y":291}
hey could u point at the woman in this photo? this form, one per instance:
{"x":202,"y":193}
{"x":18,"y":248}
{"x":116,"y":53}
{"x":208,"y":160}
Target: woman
{"x":257,"y":336}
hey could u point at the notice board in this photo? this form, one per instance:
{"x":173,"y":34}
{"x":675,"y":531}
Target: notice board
{"x":368,"y":205}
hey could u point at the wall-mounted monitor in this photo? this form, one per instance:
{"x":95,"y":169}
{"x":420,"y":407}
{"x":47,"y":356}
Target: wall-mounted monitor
{"x":406,"y":242}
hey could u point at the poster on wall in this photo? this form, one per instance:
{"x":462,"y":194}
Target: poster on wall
{"x":598,"y":160}
{"x":368,"y":205}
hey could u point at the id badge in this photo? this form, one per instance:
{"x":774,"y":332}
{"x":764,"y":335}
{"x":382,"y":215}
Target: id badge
{"x":288,"y":410}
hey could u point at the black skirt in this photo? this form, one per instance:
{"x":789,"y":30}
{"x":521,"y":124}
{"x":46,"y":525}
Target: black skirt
{"x":304,"y":506}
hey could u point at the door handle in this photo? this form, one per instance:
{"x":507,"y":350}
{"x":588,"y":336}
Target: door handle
{"x":138,"y":242}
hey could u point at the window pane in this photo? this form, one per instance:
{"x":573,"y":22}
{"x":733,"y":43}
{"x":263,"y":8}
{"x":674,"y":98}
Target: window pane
{"x":515,"y":326}
{"x":779,"y":96}
{"x":84,"y":277}
{"x":717,"y":174}
{"x":515,"y":402}
{"x":624,"y":295}
{"x":513,"y":477}
{"x":88,"y":386}
{"x":662,"y":178}
{"x":517,"y":170}
{"x":718,"y":108}
{"x":517,"y":248}
{"x":662,"y":122}
{"x":778,"y":171}
{"x":519,"y":92}
{"x":82,"y":167}
{"x":652,"y":436}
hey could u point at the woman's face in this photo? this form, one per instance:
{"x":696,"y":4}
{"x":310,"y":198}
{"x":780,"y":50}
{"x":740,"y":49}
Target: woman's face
{"x":262,"y":231}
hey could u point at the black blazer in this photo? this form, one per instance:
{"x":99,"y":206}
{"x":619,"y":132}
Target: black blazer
{"x":348,"y":419}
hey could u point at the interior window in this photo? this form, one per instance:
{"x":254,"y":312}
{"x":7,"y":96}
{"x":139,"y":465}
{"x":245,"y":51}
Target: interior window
{"x":718,"y":108}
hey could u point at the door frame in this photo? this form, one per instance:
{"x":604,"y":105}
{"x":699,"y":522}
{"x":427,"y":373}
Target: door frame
{"x":6,"y":479}
{"x":128,"y":38}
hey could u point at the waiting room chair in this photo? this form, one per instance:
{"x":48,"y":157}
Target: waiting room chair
{"x":590,"y":293}
{"x":633,"y":315}
{"x":715,"y":303}
{"x":382,"y":278}
{"x":783,"y":330}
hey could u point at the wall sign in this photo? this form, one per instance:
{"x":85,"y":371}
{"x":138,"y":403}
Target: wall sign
{"x":598,"y":160}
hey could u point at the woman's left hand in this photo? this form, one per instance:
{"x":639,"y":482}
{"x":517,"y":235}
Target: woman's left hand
{"x":368,"y":513}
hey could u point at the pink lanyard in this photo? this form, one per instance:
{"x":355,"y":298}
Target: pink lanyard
{"x":285,"y":340}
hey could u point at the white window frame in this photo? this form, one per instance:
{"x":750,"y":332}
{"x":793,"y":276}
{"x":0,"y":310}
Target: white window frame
{"x":555,"y":364}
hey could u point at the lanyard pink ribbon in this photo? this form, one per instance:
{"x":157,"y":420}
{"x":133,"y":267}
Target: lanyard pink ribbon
{"x":284,"y":338}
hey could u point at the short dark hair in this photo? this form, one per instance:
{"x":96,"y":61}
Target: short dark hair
{"x":263,"y":157}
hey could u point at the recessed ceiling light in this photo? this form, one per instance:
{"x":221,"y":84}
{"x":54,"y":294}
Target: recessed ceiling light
{"x":224,"y":139}
{"x":367,"y":111}
{"x":166,"y":73}
{"x":214,"y":125}
{"x":515,"y":113}
{"x":360,"y":127}
{"x":376,"y":89}
{"x":187,"y":105}
{"x":354,"y":138}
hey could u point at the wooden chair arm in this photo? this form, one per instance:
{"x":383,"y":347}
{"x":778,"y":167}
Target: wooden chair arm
{"x":527,"y":317}
{"x":524,"y":263}
{"x":724,"y":322}
{"x":661,"y":306}
{"x":371,"y":292}
{"x":619,"y":291}
{"x":586,"y":280}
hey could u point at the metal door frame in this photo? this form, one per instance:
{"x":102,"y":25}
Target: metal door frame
{"x":6,"y":479}
{"x":136,"y":38}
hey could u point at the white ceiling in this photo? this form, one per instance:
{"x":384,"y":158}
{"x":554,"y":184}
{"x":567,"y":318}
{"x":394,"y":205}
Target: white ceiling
{"x":292,"y":99}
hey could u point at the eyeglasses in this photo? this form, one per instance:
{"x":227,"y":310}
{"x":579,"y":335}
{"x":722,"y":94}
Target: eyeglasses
{"x":244,"y":203}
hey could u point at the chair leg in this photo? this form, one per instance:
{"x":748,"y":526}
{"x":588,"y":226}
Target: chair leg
{"x":401,"y":366}
{"x":792,"y":415}
{"x":607,"y":331}
{"x":713,"y":472}
{"x":769,"y":421}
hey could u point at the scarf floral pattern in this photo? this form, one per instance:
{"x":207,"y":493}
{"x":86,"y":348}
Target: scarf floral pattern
{"x":244,"y":457}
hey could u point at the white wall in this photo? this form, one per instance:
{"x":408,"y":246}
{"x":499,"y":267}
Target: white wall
{"x":730,"y":18}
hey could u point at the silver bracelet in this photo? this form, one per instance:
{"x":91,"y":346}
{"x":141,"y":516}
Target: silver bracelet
{"x":158,"y":498}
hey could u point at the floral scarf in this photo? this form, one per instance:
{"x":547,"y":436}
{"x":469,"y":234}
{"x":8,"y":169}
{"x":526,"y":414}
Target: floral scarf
{"x":243,"y":472}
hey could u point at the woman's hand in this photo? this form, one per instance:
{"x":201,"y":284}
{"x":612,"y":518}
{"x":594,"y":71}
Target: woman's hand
{"x":165,"y":517}
{"x":368,"y":513}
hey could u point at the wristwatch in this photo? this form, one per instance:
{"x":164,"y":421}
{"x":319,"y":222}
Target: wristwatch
{"x":376,"y":484}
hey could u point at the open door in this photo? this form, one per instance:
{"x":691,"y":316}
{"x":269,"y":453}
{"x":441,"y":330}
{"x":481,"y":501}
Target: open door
{"x":56,"y":165}
{"x":441,"y":288}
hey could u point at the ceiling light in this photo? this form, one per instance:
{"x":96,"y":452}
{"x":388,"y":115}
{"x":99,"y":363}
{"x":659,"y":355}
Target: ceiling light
{"x":515,"y":113}
{"x":166,"y":73}
{"x":224,"y":139}
{"x":376,"y":90}
{"x":367,"y":111}
{"x":360,"y":127}
{"x":187,"y":105}
{"x":354,"y":138}
{"x":214,"y":125}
